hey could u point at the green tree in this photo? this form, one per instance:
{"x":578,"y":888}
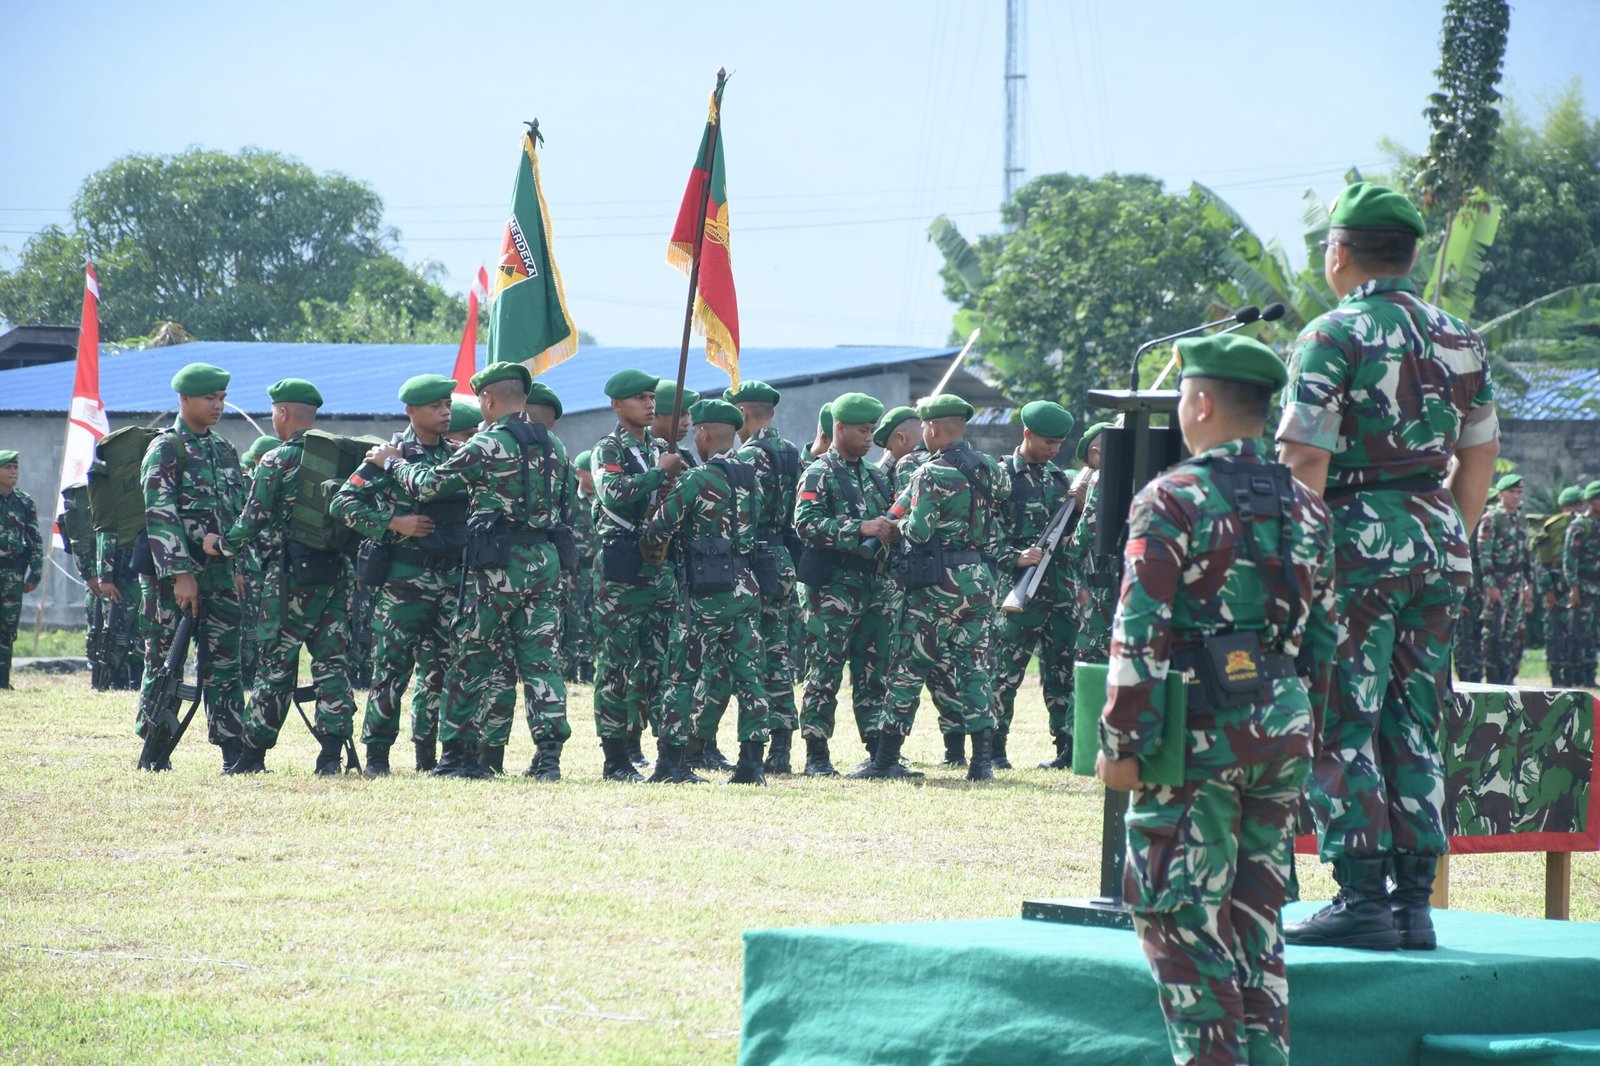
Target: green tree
{"x":389,"y":303}
{"x":1089,"y":268}
{"x":1462,"y":113}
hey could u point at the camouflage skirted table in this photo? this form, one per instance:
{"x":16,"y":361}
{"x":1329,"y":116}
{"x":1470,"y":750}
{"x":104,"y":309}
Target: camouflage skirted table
{"x":1520,"y":775}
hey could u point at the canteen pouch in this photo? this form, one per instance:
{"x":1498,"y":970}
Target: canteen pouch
{"x":1231,"y":668}
{"x":920,"y":566}
{"x":144,"y":561}
{"x":813,"y":567}
{"x":373,"y":560}
{"x":566,"y":546}
{"x":449,"y":536}
{"x":765,"y":566}
{"x":712,"y":565}
{"x":488,"y":544}
{"x":620,"y":559}
{"x":310,"y":567}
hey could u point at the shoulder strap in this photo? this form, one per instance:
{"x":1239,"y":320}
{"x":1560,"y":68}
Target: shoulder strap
{"x":733,"y":495}
{"x":1263,"y":490}
{"x":847,"y":488}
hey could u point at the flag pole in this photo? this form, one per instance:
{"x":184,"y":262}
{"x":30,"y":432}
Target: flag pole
{"x":709,"y":163}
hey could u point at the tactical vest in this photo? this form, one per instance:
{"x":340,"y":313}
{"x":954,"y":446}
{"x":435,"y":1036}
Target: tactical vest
{"x":1551,"y":539}
{"x":116,"y":485}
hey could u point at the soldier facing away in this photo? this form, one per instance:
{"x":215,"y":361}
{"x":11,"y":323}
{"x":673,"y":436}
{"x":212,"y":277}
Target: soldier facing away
{"x":1549,"y":545}
{"x":1580,"y":565}
{"x":21,"y":555}
{"x":1507,"y":565}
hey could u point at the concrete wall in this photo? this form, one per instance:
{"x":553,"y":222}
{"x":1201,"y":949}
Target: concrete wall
{"x":1554,"y":452}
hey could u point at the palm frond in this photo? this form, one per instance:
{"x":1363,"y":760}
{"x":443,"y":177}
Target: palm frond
{"x":957,"y":252}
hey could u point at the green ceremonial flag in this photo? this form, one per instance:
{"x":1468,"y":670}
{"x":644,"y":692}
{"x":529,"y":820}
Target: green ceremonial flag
{"x":528,"y":319}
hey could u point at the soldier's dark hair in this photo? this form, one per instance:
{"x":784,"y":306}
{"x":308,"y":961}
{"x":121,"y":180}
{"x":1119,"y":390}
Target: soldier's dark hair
{"x":1378,"y":251}
{"x":1242,"y":400}
{"x":509,"y":390}
{"x":756,"y":408}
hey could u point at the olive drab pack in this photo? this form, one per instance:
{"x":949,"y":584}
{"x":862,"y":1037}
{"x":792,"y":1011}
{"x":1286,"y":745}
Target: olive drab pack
{"x":326,"y":461}
{"x":1551,"y":538}
{"x":77,"y":526}
{"x":116,"y":489}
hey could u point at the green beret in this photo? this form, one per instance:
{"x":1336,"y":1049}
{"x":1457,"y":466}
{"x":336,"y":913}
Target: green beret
{"x":667,"y":391}
{"x":855,"y":409}
{"x":1047,"y":419}
{"x":1231,"y":357}
{"x":1510,"y":481}
{"x":294,"y":390}
{"x":581,"y":460}
{"x":1088,"y":438}
{"x":887,"y":424}
{"x":707,"y":412}
{"x":1493,"y":493}
{"x":1365,"y":205}
{"x":200,"y":379}
{"x":465,"y":414}
{"x":625,"y":384}
{"x":8,"y":456}
{"x":944,"y":405}
{"x":502,"y":371}
{"x":425,"y":389}
{"x":1570,"y":495}
{"x":1591,"y":491}
{"x":259,"y":447}
{"x":539,"y":392}
{"x":752,"y":392}
{"x":825,"y":419}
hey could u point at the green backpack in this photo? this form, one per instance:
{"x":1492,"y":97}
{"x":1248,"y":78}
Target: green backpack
{"x":326,"y":461}
{"x":76,"y":525}
{"x":116,"y":489}
{"x":1551,"y":539}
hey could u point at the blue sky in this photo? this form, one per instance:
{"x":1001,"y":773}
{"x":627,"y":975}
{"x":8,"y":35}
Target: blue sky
{"x":849,"y":126}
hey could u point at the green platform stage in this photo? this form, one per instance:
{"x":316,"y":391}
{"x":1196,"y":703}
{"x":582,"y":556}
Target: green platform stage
{"x":1015,"y":992}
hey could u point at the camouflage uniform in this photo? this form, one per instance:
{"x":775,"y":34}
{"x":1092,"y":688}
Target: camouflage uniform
{"x":577,"y":631}
{"x":942,"y":639}
{"x":1391,"y":387}
{"x":184,"y":500}
{"x":21,"y":563}
{"x":1502,"y":542}
{"x":777,"y":467}
{"x":1552,"y":586}
{"x":292,"y":615}
{"x":1467,"y":643}
{"x":1208,"y":861}
{"x":124,"y":641}
{"x":414,"y":609}
{"x":722,"y":648}
{"x":1096,"y":573}
{"x":636,"y":623}
{"x":846,"y":617}
{"x":508,"y":614}
{"x":1580,"y":566}
{"x":1048,"y":624}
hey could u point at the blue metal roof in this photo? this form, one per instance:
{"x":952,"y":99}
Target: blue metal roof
{"x":1555,"y":393}
{"x":362,"y":379}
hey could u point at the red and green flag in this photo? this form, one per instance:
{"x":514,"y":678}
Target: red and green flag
{"x":716,"y":306}
{"x":528,"y":320}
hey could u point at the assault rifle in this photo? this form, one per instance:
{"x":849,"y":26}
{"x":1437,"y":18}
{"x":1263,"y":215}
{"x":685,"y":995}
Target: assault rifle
{"x":1048,"y":542}
{"x":165,"y":694}
{"x":96,"y":645}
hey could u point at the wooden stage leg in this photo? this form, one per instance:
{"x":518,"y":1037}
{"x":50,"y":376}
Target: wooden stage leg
{"x":1441,"y":884}
{"x":1558,"y":885}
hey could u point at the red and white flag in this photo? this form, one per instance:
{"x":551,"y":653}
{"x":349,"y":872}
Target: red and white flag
{"x":467,"y":355}
{"x":483,"y":281}
{"x":86,"y":418}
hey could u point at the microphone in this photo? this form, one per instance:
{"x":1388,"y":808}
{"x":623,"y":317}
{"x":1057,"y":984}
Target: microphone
{"x":1243,"y":316}
{"x":1272,"y":313}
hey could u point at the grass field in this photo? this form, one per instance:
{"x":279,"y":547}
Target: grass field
{"x":188,"y":918}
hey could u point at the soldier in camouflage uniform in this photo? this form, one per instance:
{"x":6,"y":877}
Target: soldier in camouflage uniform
{"x":1390,"y":415}
{"x":21,"y":556}
{"x":717,"y":502}
{"x":777,"y":466}
{"x":1553,"y":588}
{"x":248,"y":564}
{"x":416,"y":600}
{"x":946,"y":517}
{"x":847,"y":591}
{"x":77,"y":531}
{"x":637,"y":625}
{"x":1228,"y":601}
{"x":1048,"y":624}
{"x":117,"y":587}
{"x":513,"y":471}
{"x":1502,"y":542}
{"x":577,"y":632}
{"x":661,"y":424}
{"x":1467,"y":644}
{"x":1580,"y":565}
{"x":1096,"y":573}
{"x":296,"y":612}
{"x":192,"y":490}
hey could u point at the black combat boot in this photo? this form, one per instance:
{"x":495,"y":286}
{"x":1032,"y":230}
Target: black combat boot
{"x":713,"y":758}
{"x":618,"y":767}
{"x":870,"y":742}
{"x":636,"y":748}
{"x":251,"y":760}
{"x":1409,"y":902}
{"x":665,"y":754}
{"x":492,"y":757}
{"x":997,"y":753}
{"x":230,"y":753}
{"x":778,"y":758}
{"x":678,"y":771}
{"x":982,"y":768}
{"x":377,"y":760}
{"x":1358,"y":917}
{"x":1063,"y":759}
{"x":460,"y":759}
{"x":955,"y":749}
{"x":749,"y":770}
{"x":427,"y":754}
{"x":5,"y":670}
{"x":330,"y":758}
{"x":818,"y":763}
{"x":546,"y":761}
{"x":886,"y":760}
